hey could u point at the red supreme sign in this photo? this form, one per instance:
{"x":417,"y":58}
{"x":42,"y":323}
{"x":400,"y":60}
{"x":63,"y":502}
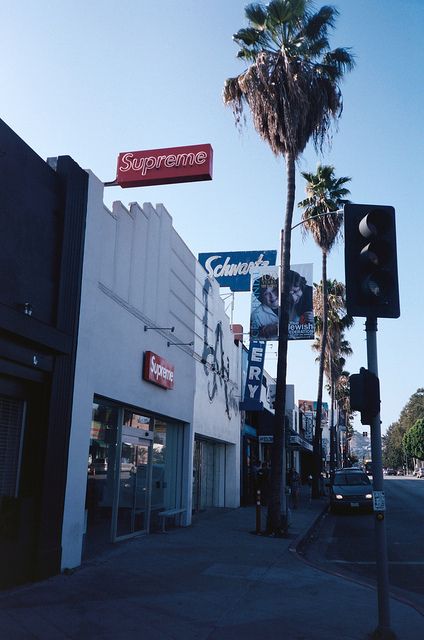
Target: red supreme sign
{"x":165,"y":166}
{"x":158,"y":370}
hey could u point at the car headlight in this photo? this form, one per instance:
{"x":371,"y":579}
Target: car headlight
{"x":368,"y":496}
{"x":339,"y":496}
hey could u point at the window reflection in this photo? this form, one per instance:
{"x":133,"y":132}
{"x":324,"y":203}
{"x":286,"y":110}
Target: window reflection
{"x":137,"y":421}
{"x":131,"y":478}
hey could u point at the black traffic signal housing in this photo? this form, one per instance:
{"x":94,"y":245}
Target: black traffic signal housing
{"x":365,"y":394}
{"x":372,"y":287}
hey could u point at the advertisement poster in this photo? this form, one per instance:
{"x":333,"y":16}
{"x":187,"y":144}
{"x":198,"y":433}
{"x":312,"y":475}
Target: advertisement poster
{"x":266,"y":300}
{"x":265,"y":304}
{"x":301,"y":312}
{"x":309,"y":409}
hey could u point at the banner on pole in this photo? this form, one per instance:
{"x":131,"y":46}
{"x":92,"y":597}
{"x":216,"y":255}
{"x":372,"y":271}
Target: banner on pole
{"x":252,"y":391}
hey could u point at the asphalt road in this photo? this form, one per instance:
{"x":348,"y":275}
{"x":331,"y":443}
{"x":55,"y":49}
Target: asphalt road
{"x":345,"y":542}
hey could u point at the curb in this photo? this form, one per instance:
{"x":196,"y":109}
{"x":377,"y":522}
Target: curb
{"x":303,"y":539}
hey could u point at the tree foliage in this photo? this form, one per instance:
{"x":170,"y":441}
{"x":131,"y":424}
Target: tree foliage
{"x":393,"y":441}
{"x":292,"y":83}
{"x":336,"y":349}
{"x":413,"y":440}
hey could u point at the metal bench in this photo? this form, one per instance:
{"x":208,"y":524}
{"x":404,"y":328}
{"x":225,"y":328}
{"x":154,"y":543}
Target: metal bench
{"x":169,"y":513}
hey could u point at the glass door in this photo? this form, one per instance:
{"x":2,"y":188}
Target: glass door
{"x":134,"y":490}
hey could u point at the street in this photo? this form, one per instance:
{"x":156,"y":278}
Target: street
{"x":345,"y":542}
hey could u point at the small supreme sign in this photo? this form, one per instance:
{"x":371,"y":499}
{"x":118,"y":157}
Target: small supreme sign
{"x":158,"y":370}
{"x":164,"y":166}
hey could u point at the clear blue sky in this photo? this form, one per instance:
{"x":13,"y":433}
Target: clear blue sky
{"x":91,"y":79}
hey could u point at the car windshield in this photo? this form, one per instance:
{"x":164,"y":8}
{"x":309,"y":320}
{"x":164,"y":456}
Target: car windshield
{"x":351,"y":479}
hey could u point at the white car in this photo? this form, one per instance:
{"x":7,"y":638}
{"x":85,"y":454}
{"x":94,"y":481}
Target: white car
{"x":420,"y":472}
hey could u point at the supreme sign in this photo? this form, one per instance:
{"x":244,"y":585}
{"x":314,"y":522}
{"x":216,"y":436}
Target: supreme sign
{"x":158,"y":370}
{"x":164,"y":166}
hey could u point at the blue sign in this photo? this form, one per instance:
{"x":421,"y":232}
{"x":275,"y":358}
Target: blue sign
{"x":255,"y":369}
{"x":232,"y":269}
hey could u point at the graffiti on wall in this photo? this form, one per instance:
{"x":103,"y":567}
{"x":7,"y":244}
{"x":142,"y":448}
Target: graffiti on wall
{"x":216,"y":364}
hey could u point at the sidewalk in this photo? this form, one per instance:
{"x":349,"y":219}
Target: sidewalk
{"x":214,"y":580}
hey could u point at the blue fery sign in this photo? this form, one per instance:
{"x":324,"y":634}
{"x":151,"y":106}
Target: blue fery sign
{"x":255,"y":369}
{"x":233,"y":269}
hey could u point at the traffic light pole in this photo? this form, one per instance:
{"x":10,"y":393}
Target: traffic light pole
{"x":383,"y":630}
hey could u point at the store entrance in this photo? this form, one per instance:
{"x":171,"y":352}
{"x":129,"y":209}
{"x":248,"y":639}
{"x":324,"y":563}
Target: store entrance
{"x":23,"y":411}
{"x":135,"y":467}
{"x":208,"y":474}
{"x":135,"y":479}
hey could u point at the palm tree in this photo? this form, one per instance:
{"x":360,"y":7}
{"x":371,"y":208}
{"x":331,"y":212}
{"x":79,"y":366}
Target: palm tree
{"x":330,"y":310}
{"x":325,"y":194}
{"x":292,"y":89}
{"x":342,"y":395}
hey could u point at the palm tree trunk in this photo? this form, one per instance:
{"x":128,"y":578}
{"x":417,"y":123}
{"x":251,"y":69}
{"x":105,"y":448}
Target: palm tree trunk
{"x":316,"y":481}
{"x":277,"y":508}
{"x":333,"y":433}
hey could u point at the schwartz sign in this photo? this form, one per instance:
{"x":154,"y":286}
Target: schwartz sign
{"x":233,"y":269}
{"x":164,"y":166}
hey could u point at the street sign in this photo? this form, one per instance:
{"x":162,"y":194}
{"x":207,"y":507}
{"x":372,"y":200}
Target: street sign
{"x":379,"y":501}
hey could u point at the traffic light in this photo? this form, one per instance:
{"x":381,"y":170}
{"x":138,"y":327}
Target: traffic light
{"x":372,"y":288}
{"x":365,"y":394}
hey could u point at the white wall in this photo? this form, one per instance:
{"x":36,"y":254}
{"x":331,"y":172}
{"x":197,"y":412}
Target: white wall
{"x":218,"y":381}
{"x":138,"y":271}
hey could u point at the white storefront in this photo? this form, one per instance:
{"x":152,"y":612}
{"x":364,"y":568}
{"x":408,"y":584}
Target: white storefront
{"x":136,"y":427}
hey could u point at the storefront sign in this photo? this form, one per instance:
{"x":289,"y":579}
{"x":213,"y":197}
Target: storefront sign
{"x":158,"y":370}
{"x":252,"y":393}
{"x":164,"y":166}
{"x":297,"y":440}
{"x":232,"y":269}
{"x":266,"y":439}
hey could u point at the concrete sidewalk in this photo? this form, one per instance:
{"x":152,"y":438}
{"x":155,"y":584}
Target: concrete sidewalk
{"x":214,"y":580}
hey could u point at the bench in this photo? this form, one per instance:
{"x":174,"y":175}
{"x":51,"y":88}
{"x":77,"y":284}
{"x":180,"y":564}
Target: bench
{"x":169,"y":513}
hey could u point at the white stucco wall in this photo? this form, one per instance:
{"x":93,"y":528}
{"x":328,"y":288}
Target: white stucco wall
{"x":138,"y":271}
{"x":218,"y":381}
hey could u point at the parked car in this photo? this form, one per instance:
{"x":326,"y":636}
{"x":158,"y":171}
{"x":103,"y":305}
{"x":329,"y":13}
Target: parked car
{"x":351,"y":490}
{"x":420,"y":472}
{"x":390,"y":472}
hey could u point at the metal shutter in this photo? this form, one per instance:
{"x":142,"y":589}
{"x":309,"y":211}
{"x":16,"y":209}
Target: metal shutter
{"x":12,"y":413}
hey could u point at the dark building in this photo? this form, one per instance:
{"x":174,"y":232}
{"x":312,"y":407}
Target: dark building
{"x":42,"y":222}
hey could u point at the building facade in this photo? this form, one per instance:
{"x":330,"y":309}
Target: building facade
{"x":155,"y":419}
{"x":42,"y":215}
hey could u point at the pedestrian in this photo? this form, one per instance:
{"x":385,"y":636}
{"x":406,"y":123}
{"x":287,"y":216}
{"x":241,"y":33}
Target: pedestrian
{"x":294,"y":484}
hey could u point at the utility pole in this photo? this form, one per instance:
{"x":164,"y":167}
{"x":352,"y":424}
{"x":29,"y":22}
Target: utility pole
{"x":372,"y":291}
{"x":383,"y":630}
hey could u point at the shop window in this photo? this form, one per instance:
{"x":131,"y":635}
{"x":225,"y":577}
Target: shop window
{"x":167,"y":466}
{"x":134,"y":472}
{"x":101,"y":463}
{"x":137,"y":421}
